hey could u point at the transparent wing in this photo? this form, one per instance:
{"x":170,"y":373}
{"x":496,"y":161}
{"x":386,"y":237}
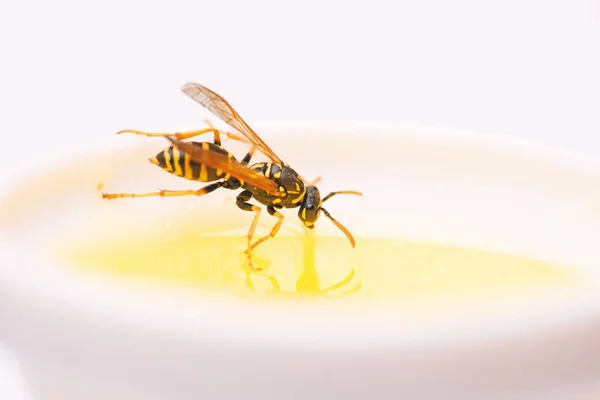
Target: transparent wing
{"x":222,"y":109}
{"x":229,"y":165}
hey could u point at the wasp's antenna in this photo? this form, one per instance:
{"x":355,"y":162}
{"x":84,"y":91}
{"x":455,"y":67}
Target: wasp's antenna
{"x":340,"y":226}
{"x":330,"y":195}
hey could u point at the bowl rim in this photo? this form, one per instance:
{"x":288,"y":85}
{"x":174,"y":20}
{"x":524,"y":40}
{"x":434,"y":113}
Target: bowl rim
{"x":281,"y":130}
{"x":128,"y":304}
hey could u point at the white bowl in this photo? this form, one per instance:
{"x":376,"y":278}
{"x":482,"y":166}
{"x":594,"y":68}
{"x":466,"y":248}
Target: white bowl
{"x":85,"y":334}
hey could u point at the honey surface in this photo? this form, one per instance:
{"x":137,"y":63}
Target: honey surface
{"x":314,"y":265}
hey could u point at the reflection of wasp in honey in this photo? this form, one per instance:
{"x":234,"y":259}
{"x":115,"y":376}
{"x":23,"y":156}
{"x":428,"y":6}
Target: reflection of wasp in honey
{"x":274,"y":184}
{"x":308,"y":283}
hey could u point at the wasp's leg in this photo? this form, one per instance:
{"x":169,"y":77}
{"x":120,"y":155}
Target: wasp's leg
{"x":177,"y":135}
{"x":248,"y":156}
{"x":168,"y":193}
{"x":274,"y":230}
{"x":239,"y":138}
{"x":229,"y":134}
{"x":242,"y":202}
{"x":188,"y":134}
{"x":315,"y":181}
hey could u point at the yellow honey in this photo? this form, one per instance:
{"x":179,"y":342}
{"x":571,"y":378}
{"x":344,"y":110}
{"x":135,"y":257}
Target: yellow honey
{"x":308,"y":265}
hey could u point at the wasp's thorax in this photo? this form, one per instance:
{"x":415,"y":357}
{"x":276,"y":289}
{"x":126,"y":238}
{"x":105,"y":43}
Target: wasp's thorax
{"x":310,"y":207}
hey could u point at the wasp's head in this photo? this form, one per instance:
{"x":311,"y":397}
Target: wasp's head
{"x":310,"y":207}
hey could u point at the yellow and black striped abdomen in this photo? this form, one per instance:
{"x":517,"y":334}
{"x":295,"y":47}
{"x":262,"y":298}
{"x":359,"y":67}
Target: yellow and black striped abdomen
{"x":179,"y":163}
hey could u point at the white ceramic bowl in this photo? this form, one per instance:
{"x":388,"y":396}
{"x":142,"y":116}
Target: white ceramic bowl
{"x":81,"y":334}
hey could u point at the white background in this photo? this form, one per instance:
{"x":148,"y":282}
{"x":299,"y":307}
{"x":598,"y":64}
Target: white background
{"x":75,"y":71}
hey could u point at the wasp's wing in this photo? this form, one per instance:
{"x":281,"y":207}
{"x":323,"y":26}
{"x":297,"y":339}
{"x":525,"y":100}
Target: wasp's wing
{"x":229,"y":165}
{"x":222,"y":109}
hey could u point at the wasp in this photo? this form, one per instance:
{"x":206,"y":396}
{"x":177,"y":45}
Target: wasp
{"x":274,"y":184}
